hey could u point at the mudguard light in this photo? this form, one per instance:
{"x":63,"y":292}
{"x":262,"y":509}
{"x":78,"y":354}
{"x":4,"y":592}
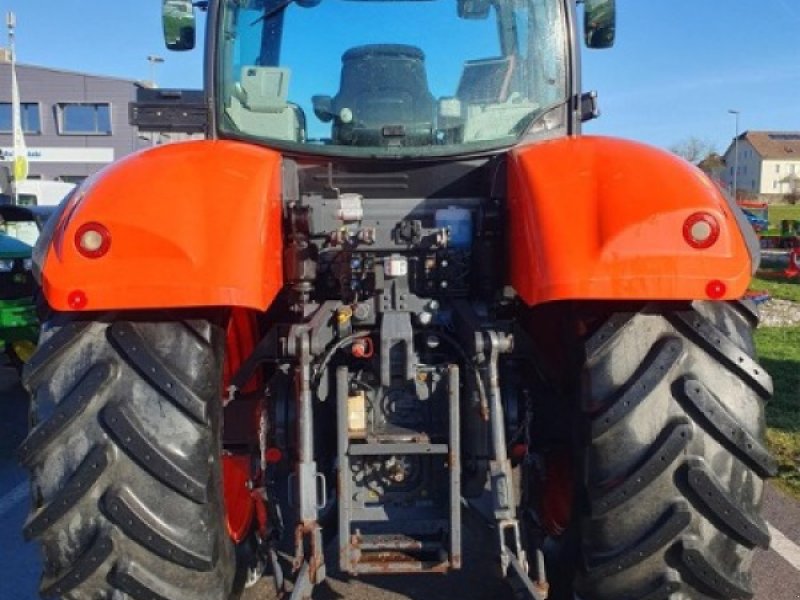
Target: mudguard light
{"x":701,"y":230}
{"x":92,"y":240}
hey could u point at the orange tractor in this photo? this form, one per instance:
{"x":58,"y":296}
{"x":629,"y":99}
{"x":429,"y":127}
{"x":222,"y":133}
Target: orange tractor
{"x":351,"y":312}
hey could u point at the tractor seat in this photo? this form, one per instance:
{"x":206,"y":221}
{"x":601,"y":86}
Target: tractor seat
{"x":384,"y":88}
{"x":259,"y":104}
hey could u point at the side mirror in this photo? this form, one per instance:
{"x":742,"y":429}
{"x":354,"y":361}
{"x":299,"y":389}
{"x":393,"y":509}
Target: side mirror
{"x":323,"y":107}
{"x":474,"y":9}
{"x":599,"y":23}
{"x":179,"y":23}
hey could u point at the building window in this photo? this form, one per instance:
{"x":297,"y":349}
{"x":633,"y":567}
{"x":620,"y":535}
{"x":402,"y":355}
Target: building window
{"x":777,"y":168}
{"x":84,"y":119}
{"x":31,"y":119}
{"x":76,"y":179}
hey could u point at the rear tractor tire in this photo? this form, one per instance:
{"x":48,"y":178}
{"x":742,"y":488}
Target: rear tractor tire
{"x":675,"y":461}
{"x":124,"y":456}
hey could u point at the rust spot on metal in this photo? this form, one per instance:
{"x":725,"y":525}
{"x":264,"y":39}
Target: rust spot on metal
{"x":398,"y":562}
{"x":307,"y":527}
{"x":452,"y":460}
{"x":542,"y":587}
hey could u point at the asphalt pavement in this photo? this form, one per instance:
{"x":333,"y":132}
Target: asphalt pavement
{"x":19,"y":561}
{"x":776,"y":573}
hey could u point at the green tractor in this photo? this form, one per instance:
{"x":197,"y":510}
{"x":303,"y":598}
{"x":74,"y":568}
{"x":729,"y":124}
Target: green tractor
{"x":19,"y":327}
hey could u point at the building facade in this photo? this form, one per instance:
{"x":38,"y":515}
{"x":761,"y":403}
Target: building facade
{"x":768,"y":164}
{"x":74,"y":124}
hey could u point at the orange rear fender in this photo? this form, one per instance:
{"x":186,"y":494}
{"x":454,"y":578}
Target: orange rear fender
{"x":602,"y":218}
{"x":189,"y":224}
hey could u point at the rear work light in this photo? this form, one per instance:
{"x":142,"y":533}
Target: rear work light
{"x":92,"y":240}
{"x":701,"y":230}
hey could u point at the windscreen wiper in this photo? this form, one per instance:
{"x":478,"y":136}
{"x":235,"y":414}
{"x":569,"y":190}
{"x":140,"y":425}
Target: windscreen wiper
{"x":273,"y":11}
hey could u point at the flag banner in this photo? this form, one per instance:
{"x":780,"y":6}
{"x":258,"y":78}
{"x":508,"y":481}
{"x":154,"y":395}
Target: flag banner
{"x":20,"y":164}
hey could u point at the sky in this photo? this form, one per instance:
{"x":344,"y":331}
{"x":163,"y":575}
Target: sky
{"x":676,"y":70}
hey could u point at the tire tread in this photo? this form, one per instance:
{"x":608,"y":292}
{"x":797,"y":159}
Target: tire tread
{"x":155,"y":372}
{"x":90,"y":561}
{"x":668,"y":528}
{"x":76,"y":403}
{"x":182,"y":475}
{"x":138,"y":522}
{"x":79,"y":485}
{"x":178,"y":539}
{"x":671,"y":443}
{"x":725,"y":427}
{"x":686,"y":504}
{"x":751,"y":529}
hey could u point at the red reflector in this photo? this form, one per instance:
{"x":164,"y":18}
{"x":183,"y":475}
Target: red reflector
{"x":794,"y":264}
{"x":716,"y":289}
{"x":518,"y":451}
{"x":273,"y":456}
{"x":92,"y":240}
{"x":701,"y":230}
{"x":77,"y":300}
{"x":362,"y":348}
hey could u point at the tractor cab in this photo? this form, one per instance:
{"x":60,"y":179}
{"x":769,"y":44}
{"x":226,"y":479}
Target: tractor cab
{"x":404,"y":78}
{"x":354,"y":309}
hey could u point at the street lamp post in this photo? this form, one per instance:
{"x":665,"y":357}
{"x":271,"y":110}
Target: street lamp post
{"x":154,"y":60}
{"x":735,"y":113}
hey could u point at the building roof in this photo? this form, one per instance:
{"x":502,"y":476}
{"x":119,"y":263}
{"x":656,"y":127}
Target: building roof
{"x":774,"y":145}
{"x":5,"y":63}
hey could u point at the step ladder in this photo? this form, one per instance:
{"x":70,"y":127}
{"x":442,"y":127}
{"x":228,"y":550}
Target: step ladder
{"x":417,"y":531}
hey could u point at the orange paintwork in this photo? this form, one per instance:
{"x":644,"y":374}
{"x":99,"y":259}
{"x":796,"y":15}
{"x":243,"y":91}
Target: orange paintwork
{"x":239,"y":507}
{"x":242,"y":337}
{"x":191,"y":224}
{"x":601,"y":218}
{"x":242,"y":417}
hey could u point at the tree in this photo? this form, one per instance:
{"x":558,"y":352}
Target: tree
{"x":793,"y":182}
{"x":712,"y":164}
{"x":693,"y":149}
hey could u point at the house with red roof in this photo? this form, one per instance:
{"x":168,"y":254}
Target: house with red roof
{"x":768,"y":164}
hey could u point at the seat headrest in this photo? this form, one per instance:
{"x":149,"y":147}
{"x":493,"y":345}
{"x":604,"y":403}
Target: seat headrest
{"x":392,"y":50}
{"x":264,"y":89}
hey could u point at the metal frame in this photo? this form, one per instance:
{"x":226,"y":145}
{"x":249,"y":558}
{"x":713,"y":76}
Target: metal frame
{"x":352,"y":546}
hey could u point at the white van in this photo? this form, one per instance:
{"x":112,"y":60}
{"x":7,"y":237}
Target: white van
{"x":39,"y":192}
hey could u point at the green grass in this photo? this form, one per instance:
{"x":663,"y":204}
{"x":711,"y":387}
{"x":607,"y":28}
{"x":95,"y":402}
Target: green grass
{"x":777,"y":286}
{"x":780,"y":212}
{"x":779,"y":352}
